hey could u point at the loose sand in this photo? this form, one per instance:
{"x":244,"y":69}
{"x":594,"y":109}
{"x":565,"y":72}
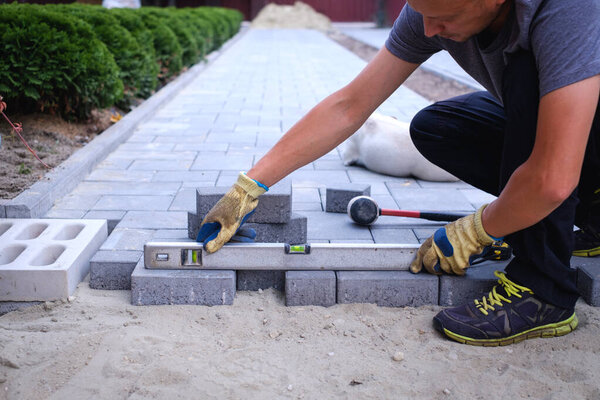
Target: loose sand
{"x":298,"y":16}
{"x":99,"y":346}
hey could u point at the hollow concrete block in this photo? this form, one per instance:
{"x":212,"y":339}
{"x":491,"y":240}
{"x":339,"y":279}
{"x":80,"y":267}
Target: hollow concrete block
{"x":111,"y":269}
{"x":206,"y":287}
{"x":387,"y":288}
{"x":338,"y":197}
{"x":310,"y":288}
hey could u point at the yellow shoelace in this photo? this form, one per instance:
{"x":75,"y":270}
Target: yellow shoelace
{"x":494,"y":298}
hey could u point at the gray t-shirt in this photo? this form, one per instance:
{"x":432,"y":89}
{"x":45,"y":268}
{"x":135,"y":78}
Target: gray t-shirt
{"x":564,"y":37}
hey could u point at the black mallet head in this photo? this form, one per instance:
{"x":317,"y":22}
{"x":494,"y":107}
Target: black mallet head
{"x":363,"y":210}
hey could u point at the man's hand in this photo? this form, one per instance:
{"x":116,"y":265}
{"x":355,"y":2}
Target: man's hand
{"x":451,"y":247}
{"x":224,"y":220}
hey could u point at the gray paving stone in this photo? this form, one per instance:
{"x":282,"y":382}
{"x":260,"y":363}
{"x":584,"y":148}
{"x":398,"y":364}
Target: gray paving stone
{"x":338,"y":196}
{"x":216,"y":147}
{"x":293,"y":232}
{"x":3,"y":203}
{"x":387,"y":288}
{"x":306,"y":178}
{"x":126,"y":188}
{"x":387,"y":235}
{"x":120,"y":175}
{"x":275,"y":206}
{"x":133,"y":203}
{"x":477,"y":282}
{"x":156,"y":287}
{"x":424,"y":233}
{"x":10,"y":306}
{"x":127,"y":239}
{"x":182,"y":176}
{"x":477,"y":197}
{"x":223,"y":162}
{"x":112,"y":217}
{"x":331,"y":226}
{"x":310,"y":288}
{"x":185,"y":200}
{"x":115,"y":163}
{"x":76,"y":202}
{"x":588,"y":278}
{"x":69,"y":214}
{"x":305,"y":195}
{"x":111,"y":270}
{"x":311,"y":206}
{"x":254,"y":280}
{"x":170,"y":234}
{"x":431,"y":200}
{"x":161,"y":165}
{"x":154,"y":220}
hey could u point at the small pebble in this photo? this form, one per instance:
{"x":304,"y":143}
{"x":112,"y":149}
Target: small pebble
{"x":446,"y":391}
{"x":265,"y":321}
{"x":290,"y":387}
{"x":260,"y":290}
{"x":302,"y":336}
{"x":71,"y":299}
{"x":399,"y":356}
{"x":330,"y":354}
{"x":44,"y":329}
{"x":53,"y":320}
{"x":260,"y":309}
{"x":274,"y":334}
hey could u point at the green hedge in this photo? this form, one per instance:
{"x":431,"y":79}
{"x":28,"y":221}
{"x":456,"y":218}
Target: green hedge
{"x":69,"y":59}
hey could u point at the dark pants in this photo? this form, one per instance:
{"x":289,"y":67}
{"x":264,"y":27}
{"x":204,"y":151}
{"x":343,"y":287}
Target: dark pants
{"x":482,"y":142}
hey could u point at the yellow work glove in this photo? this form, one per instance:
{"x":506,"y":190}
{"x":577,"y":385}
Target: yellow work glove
{"x":231,"y":211}
{"x":451,"y":247}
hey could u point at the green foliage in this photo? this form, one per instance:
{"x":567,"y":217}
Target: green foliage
{"x":167,"y":47}
{"x":131,"y":20}
{"x":69,"y":59}
{"x":125,"y":49}
{"x":185,"y":37}
{"x":54,"y":63}
{"x":24,"y":169}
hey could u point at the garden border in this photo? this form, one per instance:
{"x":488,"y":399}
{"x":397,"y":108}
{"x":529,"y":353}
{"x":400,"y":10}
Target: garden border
{"x":35,"y":201}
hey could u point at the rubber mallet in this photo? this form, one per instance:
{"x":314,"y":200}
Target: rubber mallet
{"x":364,"y":211}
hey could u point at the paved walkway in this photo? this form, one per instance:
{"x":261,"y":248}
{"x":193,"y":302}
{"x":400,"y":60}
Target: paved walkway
{"x":440,"y":63}
{"x":224,"y":121}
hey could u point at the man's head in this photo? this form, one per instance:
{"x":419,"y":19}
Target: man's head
{"x":459,"y":20}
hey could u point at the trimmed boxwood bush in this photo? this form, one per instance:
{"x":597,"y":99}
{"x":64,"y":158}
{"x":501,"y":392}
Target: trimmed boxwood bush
{"x":70,"y":59}
{"x":132,"y":21}
{"x":185,"y":36}
{"x":167,"y":47}
{"x":127,"y":52}
{"x":54,"y":63}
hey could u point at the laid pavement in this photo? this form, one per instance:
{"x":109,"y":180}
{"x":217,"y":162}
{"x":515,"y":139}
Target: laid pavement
{"x":440,"y":63}
{"x":224,"y":121}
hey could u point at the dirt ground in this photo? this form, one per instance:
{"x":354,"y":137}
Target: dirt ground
{"x":52,"y":138}
{"x":98,"y":346}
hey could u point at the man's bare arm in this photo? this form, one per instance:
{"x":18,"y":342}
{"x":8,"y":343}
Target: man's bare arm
{"x":334,"y":119}
{"x":552,"y":171}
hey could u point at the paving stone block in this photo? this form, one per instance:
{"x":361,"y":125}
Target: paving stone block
{"x":127,"y":239}
{"x":153,"y":220}
{"x":254,"y":280}
{"x":111,"y":269}
{"x":477,"y":282}
{"x":334,"y":226}
{"x":338,"y":197}
{"x":387,"y":288}
{"x":3,"y":208}
{"x":275,"y":206}
{"x":133,"y":203}
{"x":112,"y":217}
{"x":193,"y":225}
{"x":206,"y":287}
{"x":588,"y":278}
{"x":391,"y":235}
{"x":310,"y":288}
{"x":293,"y":232}
{"x":10,"y":306}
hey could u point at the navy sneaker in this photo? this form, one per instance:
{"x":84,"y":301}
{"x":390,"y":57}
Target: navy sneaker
{"x":509,"y":314}
{"x":587,"y":243}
